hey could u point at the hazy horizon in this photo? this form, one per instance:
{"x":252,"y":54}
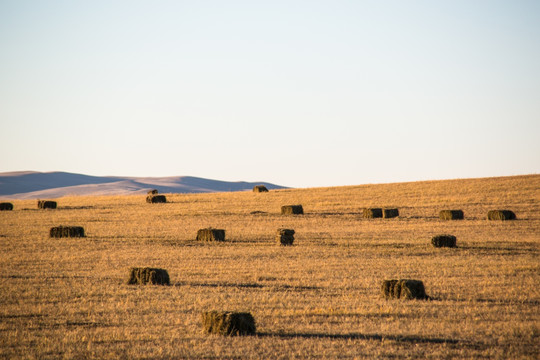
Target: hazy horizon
{"x":300,"y":94}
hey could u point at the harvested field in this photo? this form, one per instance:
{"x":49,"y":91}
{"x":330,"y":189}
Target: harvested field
{"x":320,"y":298}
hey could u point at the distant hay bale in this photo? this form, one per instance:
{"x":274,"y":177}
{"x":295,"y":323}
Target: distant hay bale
{"x":6,"y":206}
{"x":154,"y":199}
{"x":444,"y":240}
{"x":46,"y":204}
{"x":152,"y":192}
{"x":501,"y":215}
{"x":371,"y":213}
{"x":260,"y":189}
{"x":211,"y":234}
{"x":67,"y":231}
{"x":390,"y":213}
{"x":403,"y":289}
{"x":451,"y":214}
{"x":285,"y":236}
{"x":146,"y":275}
{"x":228,"y":323}
{"x":292,"y":210}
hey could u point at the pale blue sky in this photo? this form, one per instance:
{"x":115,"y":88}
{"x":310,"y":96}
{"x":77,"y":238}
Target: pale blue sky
{"x":299,"y":93}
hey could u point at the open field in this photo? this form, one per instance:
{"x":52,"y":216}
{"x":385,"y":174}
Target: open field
{"x":320,"y":298}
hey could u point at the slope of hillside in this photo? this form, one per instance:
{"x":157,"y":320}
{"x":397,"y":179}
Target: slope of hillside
{"x":34,"y":185}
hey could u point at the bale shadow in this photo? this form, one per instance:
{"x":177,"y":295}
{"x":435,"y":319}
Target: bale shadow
{"x":526,"y":249}
{"x":358,"y":336}
{"x":496,"y":301}
{"x":76,"y":207}
{"x":246,"y":285}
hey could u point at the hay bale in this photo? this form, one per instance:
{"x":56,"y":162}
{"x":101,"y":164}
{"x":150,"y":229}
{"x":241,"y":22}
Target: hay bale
{"x":211,"y":234}
{"x":67,"y":231}
{"x":501,"y":215}
{"x":387,"y":288}
{"x":451,"y":214}
{"x":390,"y":213}
{"x":228,"y":323}
{"x":371,"y":213}
{"x":260,"y":189}
{"x":6,"y":206}
{"x":292,"y":210}
{"x":152,"y":192}
{"x":444,"y":240}
{"x":146,"y":275}
{"x":403,"y":289}
{"x":285,"y":236}
{"x":46,"y":204}
{"x":154,"y":199}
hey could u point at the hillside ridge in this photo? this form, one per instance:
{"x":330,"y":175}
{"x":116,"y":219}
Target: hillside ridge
{"x":34,"y":185}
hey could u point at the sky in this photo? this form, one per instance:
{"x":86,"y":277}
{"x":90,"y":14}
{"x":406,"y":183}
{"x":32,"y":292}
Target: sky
{"x":298,"y":93}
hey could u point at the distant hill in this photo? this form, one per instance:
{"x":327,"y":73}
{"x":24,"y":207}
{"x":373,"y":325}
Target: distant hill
{"x":34,"y":185}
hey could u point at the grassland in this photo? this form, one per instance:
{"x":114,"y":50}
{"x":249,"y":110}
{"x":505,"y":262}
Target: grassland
{"x":68,"y":298}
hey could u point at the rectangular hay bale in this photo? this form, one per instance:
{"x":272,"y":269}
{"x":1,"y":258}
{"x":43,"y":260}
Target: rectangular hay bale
{"x":260,"y":189}
{"x":6,"y":206}
{"x":66,"y":231}
{"x":46,"y":204}
{"x":444,"y":240}
{"x":155,"y":199}
{"x":285,"y":237}
{"x":390,"y":213}
{"x":146,"y":275}
{"x":501,"y":215}
{"x":228,"y":323}
{"x":211,"y":234}
{"x":403,"y":289}
{"x":292,"y":210}
{"x":451,"y":214}
{"x":371,"y":213}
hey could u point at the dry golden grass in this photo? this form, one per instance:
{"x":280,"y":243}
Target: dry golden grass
{"x":320,"y":298}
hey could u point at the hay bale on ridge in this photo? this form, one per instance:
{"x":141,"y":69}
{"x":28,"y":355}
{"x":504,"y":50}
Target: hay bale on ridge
{"x":390,"y":213}
{"x":444,"y":240}
{"x":371,"y":213}
{"x":260,"y":189}
{"x":66,"y":231}
{"x":6,"y":206}
{"x":292,"y":210}
{"x":501,"y":215}
{"x":146,"y":275}
{"x":285,"y":237}
{"x":154,"y":199}
{"x":228,"y":323}
{"x":451,"y":214}
{"x":403,"y":289}
{"x":211,"y":234}
{"x":46,"y":204}
{"x":152,"y":192}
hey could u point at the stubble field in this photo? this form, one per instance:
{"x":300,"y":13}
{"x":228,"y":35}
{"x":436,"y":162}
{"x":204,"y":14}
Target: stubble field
{"x":68,"y":297}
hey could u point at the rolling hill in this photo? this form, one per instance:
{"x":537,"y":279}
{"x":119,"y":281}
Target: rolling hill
{"x":34,"y":185}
